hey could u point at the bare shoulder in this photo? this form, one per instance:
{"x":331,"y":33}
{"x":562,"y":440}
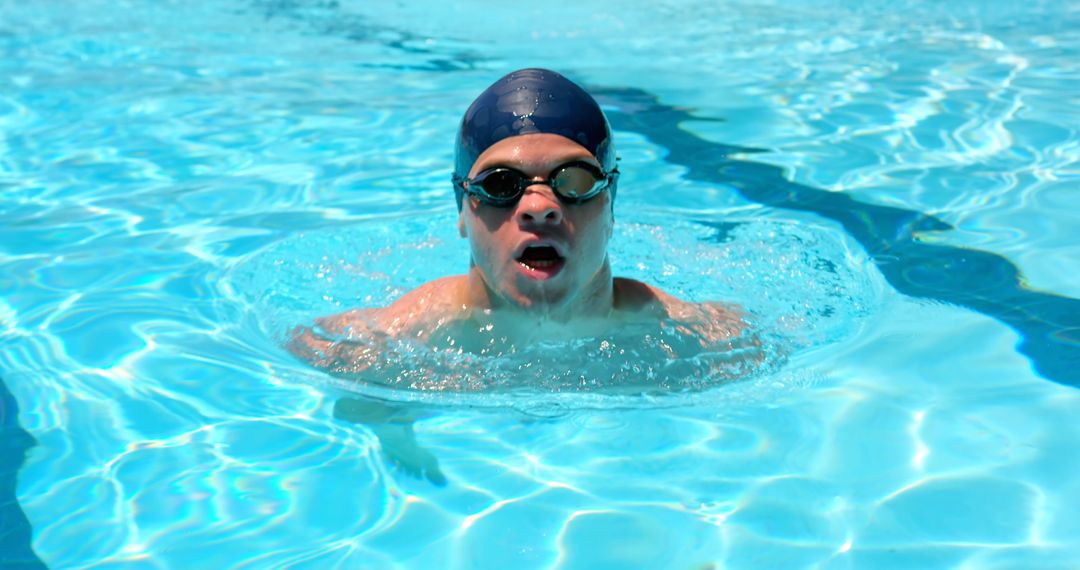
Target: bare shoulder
{"x":433,"y":293}
{"x":342,"y":342}
{"x":713,"y":319}
{"x":634,"y":296}
{"x":428,"y":302}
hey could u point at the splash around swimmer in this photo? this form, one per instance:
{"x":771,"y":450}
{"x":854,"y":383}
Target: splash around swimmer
{"x":535,"y":180}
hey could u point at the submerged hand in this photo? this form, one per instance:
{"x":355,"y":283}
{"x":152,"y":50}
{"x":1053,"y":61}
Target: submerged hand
{"x":393,"y":426}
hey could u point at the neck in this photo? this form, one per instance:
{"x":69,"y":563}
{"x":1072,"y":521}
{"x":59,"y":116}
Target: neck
{"x":592,"y":303}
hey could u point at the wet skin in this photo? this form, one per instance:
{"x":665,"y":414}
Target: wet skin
{"x":581,"y":286}
{"x":505,"y":299}
{"x":575,"y":298}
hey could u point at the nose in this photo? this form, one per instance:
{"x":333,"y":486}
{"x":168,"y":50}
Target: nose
{"x":538,"y":206}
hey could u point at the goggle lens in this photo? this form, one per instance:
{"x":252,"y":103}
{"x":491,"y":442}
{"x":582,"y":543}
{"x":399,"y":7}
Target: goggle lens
{"x":574,"y":183}
{"x":502,"y":184}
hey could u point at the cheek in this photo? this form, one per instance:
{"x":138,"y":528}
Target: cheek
{"x":601,"y":215}
{"x":484,"y":239}
{"x":597,"y":226}
{"x":602,"y":237}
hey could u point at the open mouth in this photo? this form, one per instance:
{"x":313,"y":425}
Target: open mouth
{"x":542,"y":260}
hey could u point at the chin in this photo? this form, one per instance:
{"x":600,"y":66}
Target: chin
{"x":537,"y":297}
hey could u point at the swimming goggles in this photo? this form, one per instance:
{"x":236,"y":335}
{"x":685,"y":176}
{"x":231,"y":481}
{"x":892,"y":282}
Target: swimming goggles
{"x":573,"y":183}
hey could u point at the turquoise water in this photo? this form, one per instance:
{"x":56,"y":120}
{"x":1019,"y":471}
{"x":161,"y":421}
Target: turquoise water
{"x":890,"y":191}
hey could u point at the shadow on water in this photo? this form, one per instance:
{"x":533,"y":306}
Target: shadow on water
{"x":985,"y":282}
{"x":328,"y":17}
{"x":15,"y":531}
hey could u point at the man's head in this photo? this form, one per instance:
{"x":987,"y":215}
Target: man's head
{"x":531,"y":101}
{"x":535,"y":159}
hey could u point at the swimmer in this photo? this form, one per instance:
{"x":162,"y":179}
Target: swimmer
{"x":535,"y":180}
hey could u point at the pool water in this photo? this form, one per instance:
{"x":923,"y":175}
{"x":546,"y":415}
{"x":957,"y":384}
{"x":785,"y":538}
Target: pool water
{"x":890,"y":193}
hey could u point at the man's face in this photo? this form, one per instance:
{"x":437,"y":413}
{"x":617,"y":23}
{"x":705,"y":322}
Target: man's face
{"x":539,"y":253}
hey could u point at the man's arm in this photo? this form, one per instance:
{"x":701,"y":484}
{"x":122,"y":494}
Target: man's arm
{"x":347,"y":345}
{"x":341,"y":344}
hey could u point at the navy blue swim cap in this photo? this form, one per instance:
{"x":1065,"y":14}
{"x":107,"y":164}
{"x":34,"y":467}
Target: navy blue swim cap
{"x":532,"y":101}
